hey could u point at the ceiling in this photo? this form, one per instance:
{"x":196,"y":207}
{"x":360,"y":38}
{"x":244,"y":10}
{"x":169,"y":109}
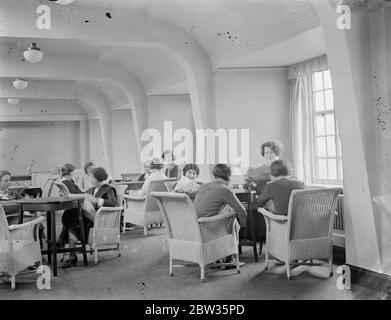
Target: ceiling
{"x":235,"y":34}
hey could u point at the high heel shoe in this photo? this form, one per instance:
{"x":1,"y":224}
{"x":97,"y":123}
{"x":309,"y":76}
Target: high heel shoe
{"x":71,"y":262}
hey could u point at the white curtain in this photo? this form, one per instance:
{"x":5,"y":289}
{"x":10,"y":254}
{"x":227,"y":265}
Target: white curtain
{"x":301,"y":127}
{"x":300,"y":100}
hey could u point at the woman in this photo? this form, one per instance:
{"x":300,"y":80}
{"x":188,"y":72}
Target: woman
{"x":187,"y":183}
{"x":84,"y":182}
{"x":98,"y":196}
{"x":171,"y":169}
{"x":258,"y":177}
{"x":155,"y":173}
{"x":213,"y":196}
{"x":147,"y":171}
{"x":5,"y":193}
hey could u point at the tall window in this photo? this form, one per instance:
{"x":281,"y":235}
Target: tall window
{"x":326,"y":153}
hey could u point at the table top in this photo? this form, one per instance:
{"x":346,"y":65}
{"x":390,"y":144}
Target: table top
{"x":234,"y":190}
{"x":48,"y":200}
{"x":129,"y":183}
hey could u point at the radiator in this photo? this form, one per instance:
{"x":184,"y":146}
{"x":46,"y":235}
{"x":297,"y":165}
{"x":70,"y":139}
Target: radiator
{"x":338,"y":221}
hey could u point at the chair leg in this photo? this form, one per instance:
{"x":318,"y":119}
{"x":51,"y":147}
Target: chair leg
{"x":260,"y":247}
{"x":266,"y":260}
{"x":119,"y":250}
{"x":237,"y":263}
{"x":331,"y":267}
{"x":288,"y":270}
{"x":96,"y":255}
{"x":171,"y":268}
{"x":123,"y":227}
{"x":145,"y":231}
{"x":13,"y":281}
{"x":202,"y":273}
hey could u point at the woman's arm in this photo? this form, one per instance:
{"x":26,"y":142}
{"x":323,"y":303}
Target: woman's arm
{"x":232,"y":200}
{"x":111,"y":200}
{"x":265,"y":196}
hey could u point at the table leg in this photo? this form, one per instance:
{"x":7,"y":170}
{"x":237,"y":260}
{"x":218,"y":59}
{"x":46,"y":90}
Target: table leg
{"x":83,"y":235}
{"x":20,"y":218}
{"x":54,"y":244}
{"x":49,"y":236}
{"x":252,"y":226}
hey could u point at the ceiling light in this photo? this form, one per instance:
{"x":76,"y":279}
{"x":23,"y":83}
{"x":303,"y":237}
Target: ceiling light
{"x":33,"y":54}
{"x":20,"y":84}
{"x":13,"y":101}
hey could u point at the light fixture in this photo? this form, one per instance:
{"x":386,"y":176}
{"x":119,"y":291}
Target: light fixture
{"x":33,"y":54}
{"x":20,"y":84}
{"x":62,"y":1}
{"x":13,"y":101}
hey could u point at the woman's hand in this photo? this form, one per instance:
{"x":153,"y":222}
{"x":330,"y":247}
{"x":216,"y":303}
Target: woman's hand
{"x":91,"y":198}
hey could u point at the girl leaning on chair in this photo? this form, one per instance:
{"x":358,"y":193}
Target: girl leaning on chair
{"x":100,"y":195}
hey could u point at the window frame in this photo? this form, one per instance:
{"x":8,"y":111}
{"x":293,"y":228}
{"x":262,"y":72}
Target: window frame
{"x":315,"y":135}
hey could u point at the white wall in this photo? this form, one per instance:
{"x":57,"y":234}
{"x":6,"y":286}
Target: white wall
{"x":38,"y":146}
{"x":175,"y":108}
{"x":125,"y":153}
{"x":257,"y":100}
{"x":96,"y":154}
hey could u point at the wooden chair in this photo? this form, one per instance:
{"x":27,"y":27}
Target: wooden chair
{"x":198,"y":240}
{"x":306,"y":232}
{"x":144,"y":211}
{"x":19,"y":247}
{"x":106,"y":230}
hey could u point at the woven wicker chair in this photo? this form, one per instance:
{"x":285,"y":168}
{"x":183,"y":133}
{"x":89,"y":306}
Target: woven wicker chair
{"x":171,"y":185}
{"x":47,"y":189}
{"x":106,"y":230}
{"x":19,"y":246}
{"x":144,"y":211}
{"x":199,"y":240}
{"x":306,"y":232}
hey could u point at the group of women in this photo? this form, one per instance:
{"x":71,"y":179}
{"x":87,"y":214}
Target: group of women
{"x":209,"y":198}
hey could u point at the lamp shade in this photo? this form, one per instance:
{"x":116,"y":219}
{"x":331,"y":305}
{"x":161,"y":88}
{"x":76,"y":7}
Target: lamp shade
{"x":13,"y":101}
{"x":20,"y":84}
{"x":33,"y":54}
{"x":62,"y":1}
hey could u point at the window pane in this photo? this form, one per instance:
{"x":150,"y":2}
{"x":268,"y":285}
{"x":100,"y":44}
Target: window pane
{"x":320,"y":126}
{"x":340,"y":169}
{"x":339,"y":147}
{"x":327,"y":79}
{"x":321,"y":145}
{"x":318,"y":81}
{"x":322,"y":169}
{"x":332,"y":169}
{"x":319,"y":101}
{"x":330,"y":124}
{"x":331,"y":148}
{"x":329,"y":99}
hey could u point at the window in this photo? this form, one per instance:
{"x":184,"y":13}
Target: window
{"x":326,"y":151}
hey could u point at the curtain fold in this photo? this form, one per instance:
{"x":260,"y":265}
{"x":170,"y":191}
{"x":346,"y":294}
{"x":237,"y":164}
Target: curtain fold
{"x":301,"y":126}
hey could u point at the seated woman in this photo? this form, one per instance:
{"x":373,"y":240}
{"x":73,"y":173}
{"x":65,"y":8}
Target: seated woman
{"x":101,"y":195}
{"x":213,"y":196}
{"x":171,"y":169}
{"x":280,"y":187}
{"x":85,"y":182}
{"x":147,"y":171}
{"x":5,"y":192}
{"x":187,"y":183}
{"x":258,"y":177}
{"x":156,"y":173}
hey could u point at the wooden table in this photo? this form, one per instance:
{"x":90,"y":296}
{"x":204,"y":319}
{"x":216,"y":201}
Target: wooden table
{"x":132,"y":185}
{"x":249,"y":239}
{"x":50,"y":205}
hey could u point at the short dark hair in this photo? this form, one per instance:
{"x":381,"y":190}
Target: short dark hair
{"x":87,"y":165}
{"x":275,"y":146}
{"x":4,"y":173}
{"x":279,"y":168}
{"x":100,"y":174}
{"x":191,"y":166}
{"x":222,"y":171}
{"x":168,"y":152}
{"x":67,"y":169}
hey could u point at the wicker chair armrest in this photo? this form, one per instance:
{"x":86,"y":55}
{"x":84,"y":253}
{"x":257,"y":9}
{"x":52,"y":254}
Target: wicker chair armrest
{"x":134,"y":198}
{"x":272,"y":216}
{"x":26,"y":224}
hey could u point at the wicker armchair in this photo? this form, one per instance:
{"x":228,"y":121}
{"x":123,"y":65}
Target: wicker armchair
{"x":47,"y":189}
{"x":19,"y":246}
{"x":171,"y":185}
{"x":306,"y":232}
{"x":106,"y":230}
{"x":144,"y":211}
{"x":199,"y":240}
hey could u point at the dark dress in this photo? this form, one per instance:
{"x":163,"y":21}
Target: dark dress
{"x":173,"y":172}
{"x":107,"y":193}
{"x":70,"y":218}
